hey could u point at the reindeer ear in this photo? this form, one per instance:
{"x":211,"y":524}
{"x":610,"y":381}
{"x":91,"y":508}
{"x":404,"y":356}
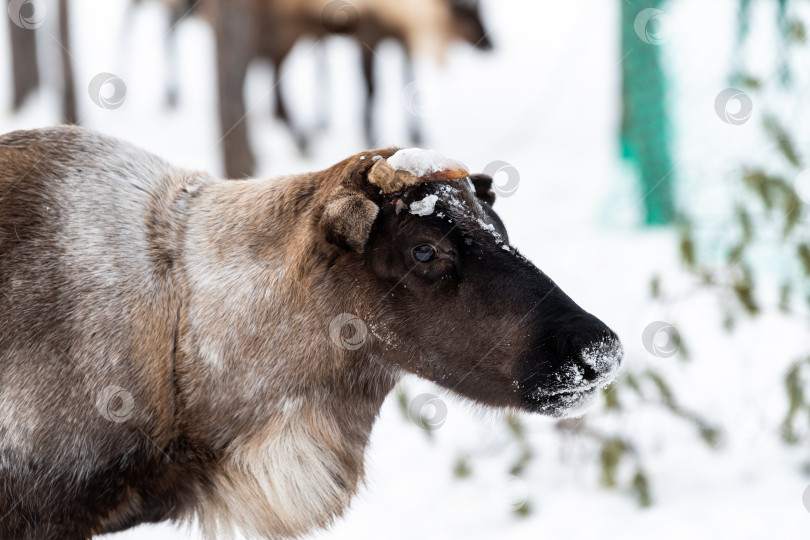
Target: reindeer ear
{"x":347,"y":219}
{"x":483,"y":188}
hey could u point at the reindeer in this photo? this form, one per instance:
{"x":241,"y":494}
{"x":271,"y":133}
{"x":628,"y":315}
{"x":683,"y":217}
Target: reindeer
{"x":247,"y":29}
{"x":177,"y":346}
{"x":269,"y":29}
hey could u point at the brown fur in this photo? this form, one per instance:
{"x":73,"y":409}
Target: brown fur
{"x":165,"y":336}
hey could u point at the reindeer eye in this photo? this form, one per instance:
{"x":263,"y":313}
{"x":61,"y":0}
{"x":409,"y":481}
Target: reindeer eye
{"x":424,"y":253}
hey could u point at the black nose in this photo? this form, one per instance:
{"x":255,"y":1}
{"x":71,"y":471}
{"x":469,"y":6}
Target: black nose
{"x":573,"y":356}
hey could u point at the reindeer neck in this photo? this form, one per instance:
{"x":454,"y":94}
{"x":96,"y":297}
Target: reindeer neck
{"x":254,"y":344}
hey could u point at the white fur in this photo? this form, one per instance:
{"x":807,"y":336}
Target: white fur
{"x":279,"y":482}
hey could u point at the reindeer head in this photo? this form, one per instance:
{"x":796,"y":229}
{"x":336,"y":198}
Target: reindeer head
{"x":446,"y":295}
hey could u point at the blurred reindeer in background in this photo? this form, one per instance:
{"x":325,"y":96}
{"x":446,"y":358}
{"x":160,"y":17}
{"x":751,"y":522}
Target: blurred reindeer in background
{"x":248,"y":29}
{"x":245,"y":30}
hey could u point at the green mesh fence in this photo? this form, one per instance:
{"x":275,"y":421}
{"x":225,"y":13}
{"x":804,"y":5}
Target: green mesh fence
{"x":645,"y":130}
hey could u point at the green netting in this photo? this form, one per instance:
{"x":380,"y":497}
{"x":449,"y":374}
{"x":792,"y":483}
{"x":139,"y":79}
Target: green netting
{"x":645,"y":129}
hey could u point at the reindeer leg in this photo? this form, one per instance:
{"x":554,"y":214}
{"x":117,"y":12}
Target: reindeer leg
{"x":323,"y":94}
{"x":414,"y":125}
{"x":281,"y":106}
{"x":69,"y":112}
{"x":25,"y":67}
{"x":283,"y":114}
{"x":234,"y":35}
{"x":368,"y":77}
{"x":171,"y":64}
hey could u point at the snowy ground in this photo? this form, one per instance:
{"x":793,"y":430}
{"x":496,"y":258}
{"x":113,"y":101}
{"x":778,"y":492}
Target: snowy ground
{"x":545,"y":101}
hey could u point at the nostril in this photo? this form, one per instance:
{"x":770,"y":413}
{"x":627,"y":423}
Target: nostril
{"x":598,"y":354}
{"x":589,"y":371}
{"x":575,"y":345}
{"x":603,"y":356}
